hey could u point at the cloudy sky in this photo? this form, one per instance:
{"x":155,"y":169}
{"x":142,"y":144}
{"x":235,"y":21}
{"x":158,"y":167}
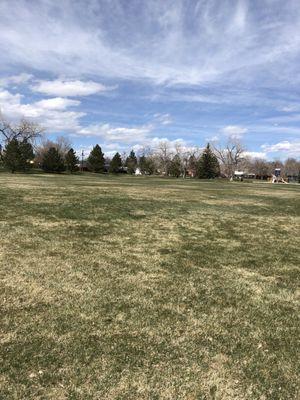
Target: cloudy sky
{"x":124,"y":73}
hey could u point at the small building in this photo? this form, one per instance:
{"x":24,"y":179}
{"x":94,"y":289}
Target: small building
{"x":244,"y":175}
{"x":239,"y":174}
{"x":249,"y":176}
{"x":84,"y":166}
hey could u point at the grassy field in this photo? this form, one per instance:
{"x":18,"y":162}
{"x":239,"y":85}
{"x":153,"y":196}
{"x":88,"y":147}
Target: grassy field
{"x":148,"y":288}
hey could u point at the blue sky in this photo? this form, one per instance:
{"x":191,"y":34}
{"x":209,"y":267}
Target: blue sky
{"x":128,"y":73}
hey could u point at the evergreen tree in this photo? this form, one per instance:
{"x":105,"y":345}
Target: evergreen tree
{"x":143,"y":164}
{"x":146,"y":165}
{"x":175,"y":166}
{"x":12,"y":156}
{"x":53,"y":161}
{"x":96,"y":159}
{"x":27,"y":153}
{"x":131,"y":162}
{"x":115,"y":164}
{"x":17,"y":155}
{"x":208,"y":166}
{"x":71,"y":161}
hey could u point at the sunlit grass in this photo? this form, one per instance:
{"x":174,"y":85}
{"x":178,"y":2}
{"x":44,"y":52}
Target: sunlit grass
{"x":148,"y":288}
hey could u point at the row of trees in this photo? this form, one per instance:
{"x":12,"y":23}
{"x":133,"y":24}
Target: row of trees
{"x":18,"y":155}
{"x":205,"y":166}
{"x":97,"y":163}
{"x":263,"y":168}
{"x":21,"y":152}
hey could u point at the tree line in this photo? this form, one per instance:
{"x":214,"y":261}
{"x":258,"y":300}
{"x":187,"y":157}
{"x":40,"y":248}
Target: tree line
{"x":20,"y":153}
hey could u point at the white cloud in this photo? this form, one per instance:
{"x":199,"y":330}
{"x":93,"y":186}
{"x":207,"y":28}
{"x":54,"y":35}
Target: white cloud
{"x":55,"y":115}
{"x":171,"y":41}
{"x":125,"y":134}
{"x":66,"y":88}
{"x":255,"y":154}
{"x":15,"y":79}
{"x":57,"y":103}
{"x":286,"y":148}
{"x":234,"y":131}
{"x":115,"y":134}
{"x":121,"y":139}
{"x":51,"y":113}
{"x":176,"y":51}
{"x":163,"y":119}
{"x":212,"y":139}
{"x":7,"y":98}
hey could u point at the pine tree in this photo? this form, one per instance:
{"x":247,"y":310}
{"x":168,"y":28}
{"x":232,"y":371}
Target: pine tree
{"x":27,"y":154}
{"x":96,"y":159}
{"x":53,"y":161}
{"x":115,"y":164}
{"x":208,"y":166}
{"x":12,"y":156}
{"x":71,"y":161}
{"x":17,"y":155}
{"x":131,"y":162}
{"x":146,"y":165}
{"x":175,"y":166}
{"x":143,"y":164}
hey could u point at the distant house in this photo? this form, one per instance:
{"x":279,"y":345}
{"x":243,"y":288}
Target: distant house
{"x":243,"y":175}
{"x":239,"y":174}
{"x":84,"y":166}
{"x":138,"y":172}
{"x":250,"y":175}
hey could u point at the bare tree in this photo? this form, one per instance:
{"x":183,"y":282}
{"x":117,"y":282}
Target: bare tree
{"x":230,"y":156}
{"x":186,"y":154}
{"x":164,"y":155}
{"x":291,"y":167}
{"x":183,"y":157}
{"x":123,"y":157}
{"x":145,"y":151}
{"x":261,"y":167}
{"x":62,"y":145}
{"x":23,"y":131}
{"x":274,"y":165}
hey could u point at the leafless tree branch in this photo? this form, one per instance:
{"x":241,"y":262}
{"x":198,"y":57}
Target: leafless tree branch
{"x":24,"y":130}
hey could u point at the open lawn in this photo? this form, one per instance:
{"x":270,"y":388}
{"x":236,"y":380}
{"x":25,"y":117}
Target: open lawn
{"x":148,"y":288}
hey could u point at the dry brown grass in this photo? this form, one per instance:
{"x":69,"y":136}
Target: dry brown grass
{"x":148,"y":288}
